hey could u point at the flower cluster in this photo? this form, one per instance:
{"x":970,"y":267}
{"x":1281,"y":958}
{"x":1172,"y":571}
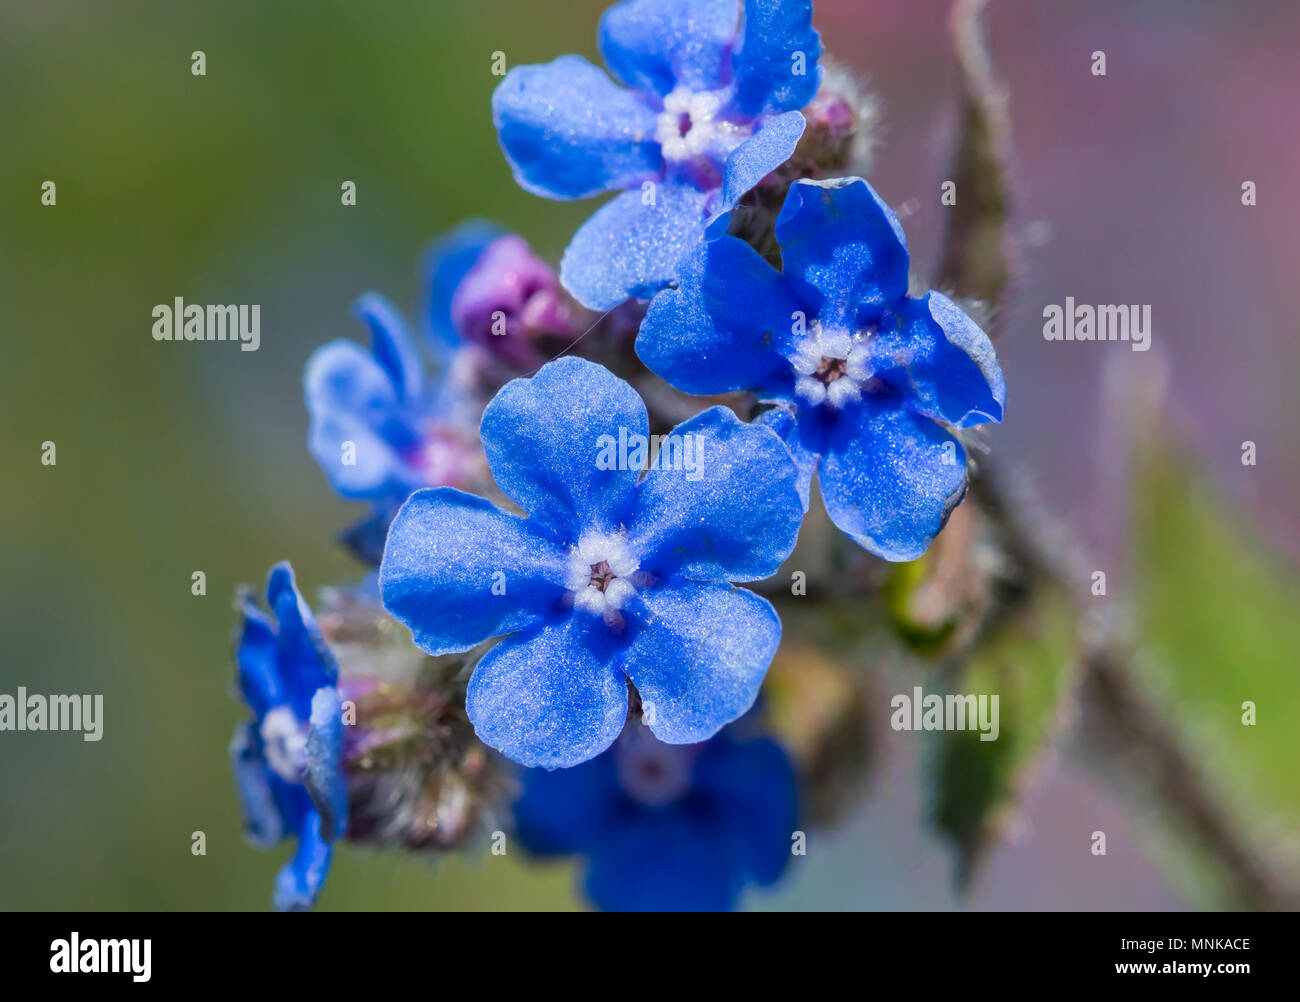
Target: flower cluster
{"x":585,"y":619}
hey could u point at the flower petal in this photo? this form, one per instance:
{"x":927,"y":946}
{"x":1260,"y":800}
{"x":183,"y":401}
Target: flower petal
{"x":393,"y":348}
{"x":942,"y":361}
{"x":843,"y":249}
{"x":782,"y":420}
{"x":564,"y":811}
{"x":323,"y":776}
{"x":445,"y":263}
{"x":258,"y":657}
{"x":720,"y":504}
{"x":755,"y":791}
{"x":759,"y":155}
{"x":891,"y":478}
{"x":569,"y":131}
{"x":656,"y":45}
{"x":263,"y":823}
{"x":697,"y":653}
{"x":666,"y":860}
{"x":365,"y":537}
{"x":351,"y":399}
{"x":544,"y":438}
{"x":718,"y":330}
{"x":777,"y":66}
{"x":630,"y":249}
{"x":549,"y":697}
{"x":298,"y":883}
{"x":457,"y":570}
{"x":306,"y":662}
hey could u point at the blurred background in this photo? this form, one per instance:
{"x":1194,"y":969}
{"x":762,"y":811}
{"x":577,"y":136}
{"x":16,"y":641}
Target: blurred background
{"x":174,"y":458}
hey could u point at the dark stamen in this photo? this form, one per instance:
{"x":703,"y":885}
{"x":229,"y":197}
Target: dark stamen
{"x":830,"y":370}
{"x":601,"y":576}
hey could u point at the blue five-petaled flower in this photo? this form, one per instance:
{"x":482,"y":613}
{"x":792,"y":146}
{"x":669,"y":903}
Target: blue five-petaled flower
{"x":288,"y":758}
{"x":612,"y":576}
{"x":710,"y":108}
{"x":868,"y":381}
{"x":380,"y":428}
{"x":667,"y":827}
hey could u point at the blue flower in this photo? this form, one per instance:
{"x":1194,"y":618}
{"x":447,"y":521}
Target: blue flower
{"x":379,"y":429}
{"x":612,"y":576}
{"x":667,"y":827}
{"x":710,"y":108}
{"x":870,"y":382}
{"x":288,"y":758}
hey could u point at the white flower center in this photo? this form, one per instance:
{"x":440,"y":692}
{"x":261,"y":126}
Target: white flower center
{"x":285,"y":741}
{"x":688,"y":126}
{"x":830,"y":366}
{"x":599,"y":573}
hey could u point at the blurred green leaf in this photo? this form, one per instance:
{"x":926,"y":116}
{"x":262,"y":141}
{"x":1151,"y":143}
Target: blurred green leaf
{"x":1221,"y":627}
{"x":927,"y":634}
{"x":1029,"y":663}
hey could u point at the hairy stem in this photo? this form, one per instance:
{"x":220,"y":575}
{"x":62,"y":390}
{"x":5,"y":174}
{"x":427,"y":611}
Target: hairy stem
{"x":975,"y":263}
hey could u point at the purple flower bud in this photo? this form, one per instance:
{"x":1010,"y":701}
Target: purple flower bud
{"x":509,"y":299}
{"x":841,"y":124}
{"x":831,"y":113}
{"x":825,"y":148}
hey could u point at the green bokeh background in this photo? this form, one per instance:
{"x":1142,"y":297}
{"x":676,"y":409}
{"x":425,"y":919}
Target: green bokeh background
{"x":181,"y":457}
